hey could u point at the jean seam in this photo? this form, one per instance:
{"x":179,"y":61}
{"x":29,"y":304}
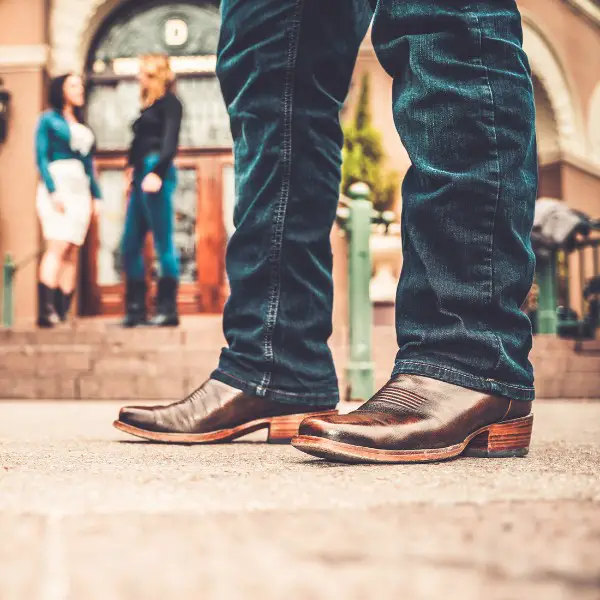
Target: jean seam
{"x":281,"y":206}
{"x":462,"y":374}
{"x":281,"y":392}
{"x":492,"y":118}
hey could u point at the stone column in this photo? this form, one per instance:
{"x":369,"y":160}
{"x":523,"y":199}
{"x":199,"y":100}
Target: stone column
{"x":23,"y":59}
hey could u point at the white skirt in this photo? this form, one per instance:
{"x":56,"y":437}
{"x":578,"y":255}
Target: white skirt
{"x":73,"y":189}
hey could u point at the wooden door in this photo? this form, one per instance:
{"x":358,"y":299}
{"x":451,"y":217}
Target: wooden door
{"x":204,"y":190}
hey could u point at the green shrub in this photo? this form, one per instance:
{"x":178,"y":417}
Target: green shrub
{"x":363,"y":155}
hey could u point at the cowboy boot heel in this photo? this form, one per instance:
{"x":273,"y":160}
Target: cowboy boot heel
{"x":502,"y":440}
{"x":283,"y":429}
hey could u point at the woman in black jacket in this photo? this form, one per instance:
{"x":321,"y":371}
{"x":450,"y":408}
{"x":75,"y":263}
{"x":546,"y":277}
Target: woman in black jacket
{"x":152,"y":180}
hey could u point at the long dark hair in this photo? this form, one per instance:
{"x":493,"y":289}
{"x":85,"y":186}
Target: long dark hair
{"x":56,"y":96}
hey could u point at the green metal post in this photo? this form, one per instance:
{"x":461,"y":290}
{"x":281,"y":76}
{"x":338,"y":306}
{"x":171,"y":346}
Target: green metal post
{"x":7,"y":291}
{"x":360,"y":370}
{"x":547,"y":302}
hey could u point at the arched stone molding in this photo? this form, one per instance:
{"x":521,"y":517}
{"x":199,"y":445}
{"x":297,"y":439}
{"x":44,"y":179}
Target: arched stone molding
{"x":594,"y":125}
{"x":75,"y":22}
{"x":550,"y":73}
{"x":548,"y":142}
{"x":590,"y":8}
{"x":71,"y":25}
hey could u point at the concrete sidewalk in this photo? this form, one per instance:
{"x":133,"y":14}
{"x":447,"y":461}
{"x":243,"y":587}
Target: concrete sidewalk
{"x":87,"y":513}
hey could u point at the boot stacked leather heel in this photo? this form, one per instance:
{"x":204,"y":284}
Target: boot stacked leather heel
{"x":504,"y":440}
{"x":283,"y":429}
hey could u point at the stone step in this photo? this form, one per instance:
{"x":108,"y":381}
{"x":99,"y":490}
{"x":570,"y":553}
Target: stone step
{"x":191,"y":334}
{"x":97,"y":359}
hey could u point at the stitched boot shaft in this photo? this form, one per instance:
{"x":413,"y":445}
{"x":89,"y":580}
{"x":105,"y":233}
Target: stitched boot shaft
{"x":62,"y":304}
{"x":135,"y":303}
{"x":166,"y":303}
{"x":47,"y":316}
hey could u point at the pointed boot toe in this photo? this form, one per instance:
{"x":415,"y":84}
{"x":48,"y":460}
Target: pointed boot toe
{"x":325,"y":426}
{"x":136,"y":418}
{"x":323,"y":436}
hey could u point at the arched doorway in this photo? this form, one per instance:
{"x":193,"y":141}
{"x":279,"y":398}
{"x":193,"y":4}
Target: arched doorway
{"x":548,"y":143}
{"x":188,"y":32}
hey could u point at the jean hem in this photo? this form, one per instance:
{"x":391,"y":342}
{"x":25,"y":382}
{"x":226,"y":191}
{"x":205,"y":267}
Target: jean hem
{"x":325,"y":399}
{"x":435,"y":370}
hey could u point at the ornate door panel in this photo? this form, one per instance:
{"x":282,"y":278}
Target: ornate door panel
{"x":187,"y":30}
{"x":203,"y":202}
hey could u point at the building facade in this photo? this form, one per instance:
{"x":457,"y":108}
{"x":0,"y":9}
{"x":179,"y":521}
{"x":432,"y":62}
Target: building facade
{"x":101,"y":38}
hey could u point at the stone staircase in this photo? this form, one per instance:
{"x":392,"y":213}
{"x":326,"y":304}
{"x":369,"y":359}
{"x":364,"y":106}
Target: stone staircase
{"x":97,"y":359}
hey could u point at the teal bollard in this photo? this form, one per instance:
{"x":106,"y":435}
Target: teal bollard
{"x":360,"y":369}
{"x":548,"y":296}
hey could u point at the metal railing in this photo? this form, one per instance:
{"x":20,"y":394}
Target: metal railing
{"x":584,"y":249}
{"x":9,"y":272}
{"x":580,"y":325}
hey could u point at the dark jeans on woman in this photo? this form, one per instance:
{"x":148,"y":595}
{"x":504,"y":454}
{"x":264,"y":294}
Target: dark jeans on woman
{"x":154,"y":213}
{"x":463,"y":106}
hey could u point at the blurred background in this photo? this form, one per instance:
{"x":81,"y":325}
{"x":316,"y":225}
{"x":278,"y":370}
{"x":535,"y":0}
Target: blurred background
{"x":102,"y":38}
{"x":86,"y":514}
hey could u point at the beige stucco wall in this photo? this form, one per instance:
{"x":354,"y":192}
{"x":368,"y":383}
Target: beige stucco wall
{"x":22,"y":58}
{"x":575,"y":41}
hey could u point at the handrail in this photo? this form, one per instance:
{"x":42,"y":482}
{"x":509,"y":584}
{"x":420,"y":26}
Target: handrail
{"x":9,"y":270}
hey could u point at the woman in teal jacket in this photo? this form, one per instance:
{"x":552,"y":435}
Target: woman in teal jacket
{"x":67,"y":194}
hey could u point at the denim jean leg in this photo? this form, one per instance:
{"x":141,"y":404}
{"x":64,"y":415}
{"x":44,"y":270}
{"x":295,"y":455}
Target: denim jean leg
{"x":134,"y":234}
{"x":463,"y":106}
{"x":284,"y":67}
{"x":160,"y":212}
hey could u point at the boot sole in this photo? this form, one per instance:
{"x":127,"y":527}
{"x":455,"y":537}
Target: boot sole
{"x":281,"y":430}
{"x":135,"y":324}
{"x":499,"y":440}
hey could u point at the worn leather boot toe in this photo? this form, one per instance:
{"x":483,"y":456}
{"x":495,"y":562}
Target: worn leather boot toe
{"x":216,"y":412}
{"x":418,"y":419}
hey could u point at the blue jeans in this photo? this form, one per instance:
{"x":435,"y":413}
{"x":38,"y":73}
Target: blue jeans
{"x":464,"y":109}
{"x":154,"y":213}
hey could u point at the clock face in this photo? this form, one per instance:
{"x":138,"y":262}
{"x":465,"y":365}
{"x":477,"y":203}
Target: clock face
{"x":175,"y":33}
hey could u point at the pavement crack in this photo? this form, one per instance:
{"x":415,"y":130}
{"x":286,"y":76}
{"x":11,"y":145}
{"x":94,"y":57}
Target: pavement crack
{"x":55,"y":579}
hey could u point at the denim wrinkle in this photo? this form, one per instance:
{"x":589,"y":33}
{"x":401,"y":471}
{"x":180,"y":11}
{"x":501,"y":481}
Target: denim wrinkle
{"x":462,"y":100}
{"x":280,"y":209}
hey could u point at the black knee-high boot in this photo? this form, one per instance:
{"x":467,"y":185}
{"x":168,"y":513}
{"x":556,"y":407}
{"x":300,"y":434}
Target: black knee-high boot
{"x":135,"y":303}
{"x":166,"y":303}
{"x":47,"y":316}
{"x":62,"y":303}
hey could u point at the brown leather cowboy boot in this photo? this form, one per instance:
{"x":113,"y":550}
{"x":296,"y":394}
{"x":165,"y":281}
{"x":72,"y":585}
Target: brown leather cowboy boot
{"x":418,"y":419}
{"x":216,"y":412}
